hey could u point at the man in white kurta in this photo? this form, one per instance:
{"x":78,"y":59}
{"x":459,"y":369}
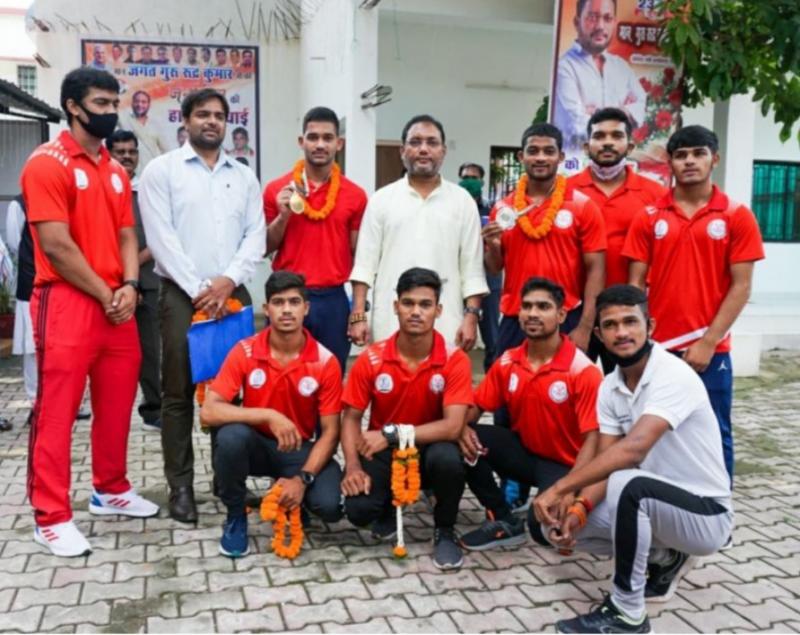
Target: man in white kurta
{"x":420,"y":220}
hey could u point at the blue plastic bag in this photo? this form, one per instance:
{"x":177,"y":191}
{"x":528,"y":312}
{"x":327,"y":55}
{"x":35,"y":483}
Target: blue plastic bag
{"x":210,"y":342}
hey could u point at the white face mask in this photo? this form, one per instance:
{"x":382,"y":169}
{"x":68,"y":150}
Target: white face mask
{"x":607,"y":172}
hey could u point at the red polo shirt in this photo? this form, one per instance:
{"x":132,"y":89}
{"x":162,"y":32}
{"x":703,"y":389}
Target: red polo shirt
{"x":689,"y":263}
{"x":306,"y":388}
{"x":618,"y":211}
{"x":578,"y":229}
{"x":399,"y":395}
{"x":320,"y":250}
{"x":551,"y":408}
{"x":61,"y":183}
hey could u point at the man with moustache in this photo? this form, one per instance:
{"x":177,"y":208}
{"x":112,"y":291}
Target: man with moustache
{"x":205,"y":228}
{"x":140,"y":123}
{"x":590,"y":78}
{"x":420,"y":220}
{"x":320,"y":238}
{"x":191,"y":56}
{"x":124,"y":147}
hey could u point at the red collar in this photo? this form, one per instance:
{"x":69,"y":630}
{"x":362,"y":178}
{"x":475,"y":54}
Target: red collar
{"x":75,"y":149}
{"x":261,"y":350}
{"x":561,"y":361}
{"x":718,"y":201}
{"x":438,"y":356}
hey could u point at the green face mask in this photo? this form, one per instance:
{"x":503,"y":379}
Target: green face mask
{"x":472,"y":185}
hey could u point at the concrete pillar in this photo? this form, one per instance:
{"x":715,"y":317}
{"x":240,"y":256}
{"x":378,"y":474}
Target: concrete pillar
{"x":734,"y":123}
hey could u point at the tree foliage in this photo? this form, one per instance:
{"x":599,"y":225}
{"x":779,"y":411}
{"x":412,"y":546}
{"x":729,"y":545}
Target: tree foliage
{"x":730,"y":47}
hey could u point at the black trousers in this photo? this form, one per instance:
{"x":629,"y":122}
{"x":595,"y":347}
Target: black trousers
{"x":150,"y":341}
{"x":241,"y":451}
{"x":441,"y":469}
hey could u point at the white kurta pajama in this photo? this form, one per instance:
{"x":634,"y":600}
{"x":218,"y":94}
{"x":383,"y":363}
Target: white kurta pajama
{"x":401,"y":230}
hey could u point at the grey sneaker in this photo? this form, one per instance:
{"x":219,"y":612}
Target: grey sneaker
{"x":496,"y":533}
{"x":446,"y":552}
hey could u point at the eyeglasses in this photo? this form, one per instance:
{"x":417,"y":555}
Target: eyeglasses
{"x":431,"y":142}
{"x":594,"y":18}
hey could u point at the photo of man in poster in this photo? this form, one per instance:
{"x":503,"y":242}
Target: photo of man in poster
{"x":139,"y":122}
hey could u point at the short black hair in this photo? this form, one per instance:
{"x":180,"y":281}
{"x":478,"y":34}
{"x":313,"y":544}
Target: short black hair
{"x":582,"y":3}
{"x":555,"y":290}
{"x":148,"y":47}
{"x":621,"y":295}
{"x":543,"y":130}
{"x":693,"y":137}
{"x":464,"y":166}
{"x":323,"y":114}
{"x":422,"y":119}
{"x":77,"y":82}
{"x":121,"y":136}
{"x":142,"y":92}
{"x":419,"y":277}
{"x":609,"y":114}
{"x":199,"y":97}
{"x":220,"y":50}
{"x":243,"y":161}
{"x":280,"y":281}
{"x":240,"y":130}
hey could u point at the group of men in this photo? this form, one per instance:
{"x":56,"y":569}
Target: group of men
{"x":631,"y":464}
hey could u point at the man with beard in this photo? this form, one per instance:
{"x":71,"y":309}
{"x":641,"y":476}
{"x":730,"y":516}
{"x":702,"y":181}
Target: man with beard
{"x":143,"y":126}
{"x":412,"y":378}
{"x":124,"y":148}
{"x":288,"y":381}
{"x":618,"y":191}
{"x":420,"y":220}
{"x":191,"y":56}
{"x":697,"y":247}
{"x":657,"y":493}
{"x":550,"y":389}
{"x":318,"y":237}
{"x":590,"y":78}
{"x":205,"y":228}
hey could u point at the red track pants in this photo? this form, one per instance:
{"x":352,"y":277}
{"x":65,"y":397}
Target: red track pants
{"x":74,"y":340}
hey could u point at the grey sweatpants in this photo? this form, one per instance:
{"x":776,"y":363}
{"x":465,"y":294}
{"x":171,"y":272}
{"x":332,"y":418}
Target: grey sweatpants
{"x":643,"y":515}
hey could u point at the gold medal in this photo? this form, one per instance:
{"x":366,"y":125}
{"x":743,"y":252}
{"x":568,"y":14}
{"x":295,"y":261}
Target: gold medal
{"x":296,"y":203}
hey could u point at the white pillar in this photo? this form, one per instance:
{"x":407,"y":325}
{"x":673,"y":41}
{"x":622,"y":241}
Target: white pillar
{"x":734,"y":123}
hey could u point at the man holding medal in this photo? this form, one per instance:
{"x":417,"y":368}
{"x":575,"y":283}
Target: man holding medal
{"x":314,"y":214}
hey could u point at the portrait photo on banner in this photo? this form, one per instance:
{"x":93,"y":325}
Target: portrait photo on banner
{"x":155,"y":75}
{"x":607,"y":54}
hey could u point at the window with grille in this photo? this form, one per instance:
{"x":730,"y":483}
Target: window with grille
{"x":776,"y":200}
{"x":26,"y":79}
{"x":504,"y":171}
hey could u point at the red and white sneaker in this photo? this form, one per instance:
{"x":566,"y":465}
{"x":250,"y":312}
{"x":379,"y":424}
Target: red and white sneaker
{"x":126,"y":504}
{"x":63,"y":539}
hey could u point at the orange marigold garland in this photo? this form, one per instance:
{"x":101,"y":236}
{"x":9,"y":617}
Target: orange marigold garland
{"x":298,"y":177}
{"x":406,"y":480}
{"x":232,"y":306}
{"x":556,"y":201}
{"x":274,"y":512}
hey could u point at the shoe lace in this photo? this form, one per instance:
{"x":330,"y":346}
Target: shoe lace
{"x":442,"y":533}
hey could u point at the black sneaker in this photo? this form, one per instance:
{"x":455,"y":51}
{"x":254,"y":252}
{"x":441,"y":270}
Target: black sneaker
{"x":606,"y":618}
{"x":385,"y":528}
{"x":446,"y":552}
{"x":496,"y":533}
{"x":663,"y":579}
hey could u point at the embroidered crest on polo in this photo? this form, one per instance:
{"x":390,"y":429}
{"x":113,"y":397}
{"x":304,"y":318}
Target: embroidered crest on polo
{"x":384,"y":383}
{"x":513,"y":382}
{"x":558,"y":391}
{"x":436,"y":384}
{"x":116,"y":183}
{"x":81,"y":179}
{"x":257,"y":378}
{"x":307,"y":386}
{"x":717,"y":229}
{"x":661,"y":228}
{"x":564,"y":219}
{"x":651,"y":210}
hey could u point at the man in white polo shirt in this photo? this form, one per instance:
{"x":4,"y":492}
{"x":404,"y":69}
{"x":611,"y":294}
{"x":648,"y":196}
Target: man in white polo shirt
{"x":657,"y":493}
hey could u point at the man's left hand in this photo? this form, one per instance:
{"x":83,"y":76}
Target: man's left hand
{"x":546,"y":507}
{"x":580,"y":336}
{"x":699,"y":355}
{"x":123,"y":304}
{"x":212,"y":299}
{"x":292,"y":492}
{"x":467,"y":333}
{"x":371,"y":442}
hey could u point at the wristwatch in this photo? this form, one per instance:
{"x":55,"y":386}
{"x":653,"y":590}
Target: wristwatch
{"x":389,"y":432}
{"x":308,"y":478}
{"x":132,"y":283}
{"x":474,"y":311}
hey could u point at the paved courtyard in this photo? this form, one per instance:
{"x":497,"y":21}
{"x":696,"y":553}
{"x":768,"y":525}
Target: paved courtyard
{"x":156,"y":575}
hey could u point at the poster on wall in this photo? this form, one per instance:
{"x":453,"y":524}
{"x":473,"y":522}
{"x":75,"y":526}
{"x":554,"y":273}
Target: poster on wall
{"x":155,"y":76}
{"x":607,"y":54}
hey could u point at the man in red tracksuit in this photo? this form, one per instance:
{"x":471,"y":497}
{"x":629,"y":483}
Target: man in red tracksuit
{"x":85,"y":292}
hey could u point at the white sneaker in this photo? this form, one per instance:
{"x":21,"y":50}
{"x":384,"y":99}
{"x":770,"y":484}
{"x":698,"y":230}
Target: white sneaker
{"x":126,"y":504}
{"x":63,"y":539}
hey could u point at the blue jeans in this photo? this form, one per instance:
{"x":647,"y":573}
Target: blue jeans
{"x":327,"y":320}
{"x":718,"y":380}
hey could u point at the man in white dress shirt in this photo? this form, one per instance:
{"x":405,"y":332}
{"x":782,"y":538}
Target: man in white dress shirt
{"x":420,"y":220}
{"x":589,"y":78}
{"x":205,"y":228}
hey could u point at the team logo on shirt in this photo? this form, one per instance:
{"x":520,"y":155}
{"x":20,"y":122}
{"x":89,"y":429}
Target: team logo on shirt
{"x":116,"y":183}
{"x":558,"y":391}
{"x":717,"y":229}
{"x":384,"y":383}
{"x":307,"y":385}
{"x":257,"y":378}
{"x":661,"y":228}
{"x":513,"y":382}
{"x":650,"y":210}
{"x":81,"y":179}
{"x":436,"y":384}
{"x":564,"y":219}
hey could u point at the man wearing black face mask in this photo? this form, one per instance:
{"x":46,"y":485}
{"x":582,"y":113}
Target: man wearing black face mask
{"x":85,"y":292}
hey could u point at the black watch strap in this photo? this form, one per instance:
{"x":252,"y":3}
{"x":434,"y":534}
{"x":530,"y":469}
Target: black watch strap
{"x":132,"y":283}
{"x":308,"y":478}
